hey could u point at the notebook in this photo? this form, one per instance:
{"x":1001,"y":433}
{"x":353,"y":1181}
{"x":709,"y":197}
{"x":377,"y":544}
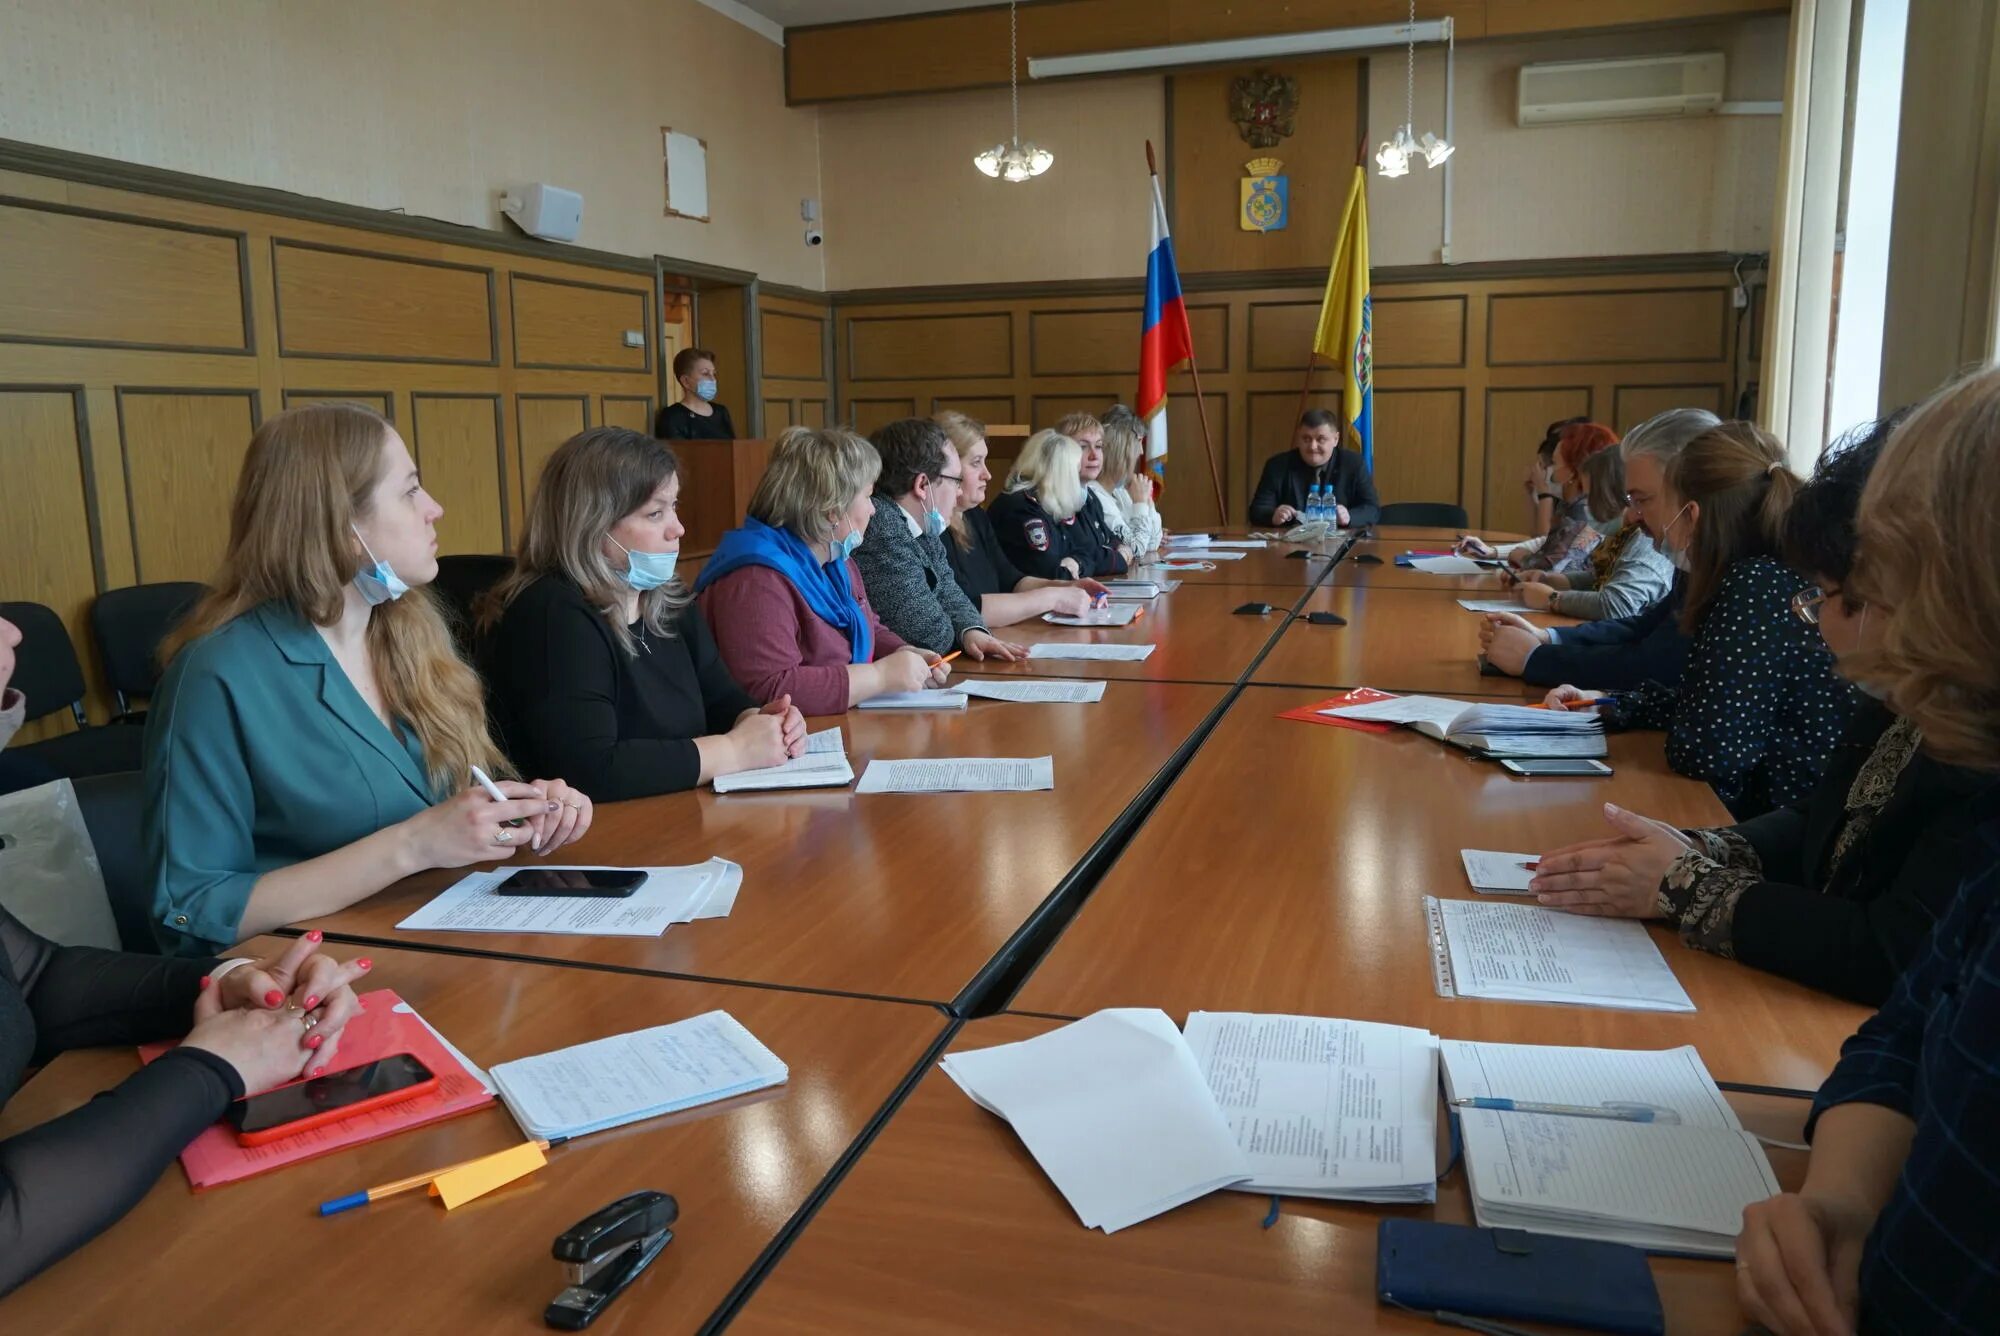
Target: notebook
{"x":824,"y":765}
{"x":1524,"y":953}
{"x":384,"y":1027}
{"x":1337,"y":1109}
{"x":1142,"y":591}
{"x":1117,"y":614}
{"x":930,"y":698}
{"x":628,"y":1077}
{"x":1493,"y":730}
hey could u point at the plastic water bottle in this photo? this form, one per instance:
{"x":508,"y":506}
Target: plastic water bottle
{"x":1315,"y":508}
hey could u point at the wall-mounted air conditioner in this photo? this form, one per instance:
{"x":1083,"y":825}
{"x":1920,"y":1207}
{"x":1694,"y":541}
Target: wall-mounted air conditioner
{"x":1632,"y":88}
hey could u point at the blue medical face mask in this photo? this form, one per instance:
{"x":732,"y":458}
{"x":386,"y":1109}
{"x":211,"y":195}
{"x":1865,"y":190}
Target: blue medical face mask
{"x":934,"y":522}
{"x":843,"y":547}
{"x":705,"y":389}
{"x":378,"y":582}
{"x":647,"y":570}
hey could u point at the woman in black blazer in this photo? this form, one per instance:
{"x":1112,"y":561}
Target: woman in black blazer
{"x":592,"y":649}
{"x":1041,"y":516}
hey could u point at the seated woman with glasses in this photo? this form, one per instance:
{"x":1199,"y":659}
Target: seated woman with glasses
{"x":1840,"y":890}
{"x":1757,"y":709}
{"x":1625,"y":573}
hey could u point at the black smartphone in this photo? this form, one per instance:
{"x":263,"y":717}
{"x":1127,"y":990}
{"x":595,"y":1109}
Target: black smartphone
{"x":303,"y":1105}
{"x":1252,"y":609}
{"x":1367,"y":559}
{"x":1326,"y":619}
{"x":1538,"y":766}
{"x":609,"y":883}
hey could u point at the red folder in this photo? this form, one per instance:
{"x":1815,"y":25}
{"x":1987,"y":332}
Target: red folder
{"x":1310,"y":714}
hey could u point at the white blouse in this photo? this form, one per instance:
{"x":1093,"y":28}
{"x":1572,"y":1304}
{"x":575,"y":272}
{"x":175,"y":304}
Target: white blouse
{"x":1138,"y":523}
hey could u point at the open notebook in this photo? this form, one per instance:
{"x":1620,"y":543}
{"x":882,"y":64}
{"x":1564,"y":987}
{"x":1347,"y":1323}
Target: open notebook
{"x":1496,"y":730}
{"x":1677,"y":1183}
{"x":824,"y":764}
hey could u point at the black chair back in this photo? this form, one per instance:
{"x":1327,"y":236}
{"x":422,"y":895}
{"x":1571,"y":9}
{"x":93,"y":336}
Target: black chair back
{"x":111,"y":806}
{"x":460,"y":580}
{"x":129,"y":625}
{"x":1429,"y":514}
{"x":45,"y":665}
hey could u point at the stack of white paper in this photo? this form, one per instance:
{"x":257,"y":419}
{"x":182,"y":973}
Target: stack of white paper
{"x":1445,"y":565}
{"x":1494,"y":873}
{"x":824,"y":765}
{"x":1115,"y":1111}
{"x":1034,"y":690}
{"x":1246,"y":544}
{"x":1523,"y":953}
{"x":965,"y":774}
{"x":1118,"y":614}
{"x":1213,"y":554}
{"x":1495,"y":730}
{"x":1135,"y":591}
{"x":1325,"y":1108}
{"x":930,"y":698}
{"x":610,"y":1082}
{"x":1187,"y":540}
{"x":1491,"y":605}
{"x":670,"y":895}
{"x":1116,"y":653}
{"x":1170,"y":565}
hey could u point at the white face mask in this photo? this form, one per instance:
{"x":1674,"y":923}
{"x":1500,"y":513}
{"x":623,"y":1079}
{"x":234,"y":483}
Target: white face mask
{"x":1677,"y":555}
{"x":379,"y":582}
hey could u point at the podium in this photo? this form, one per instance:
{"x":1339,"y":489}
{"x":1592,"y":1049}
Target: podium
{"x":717,"y":478}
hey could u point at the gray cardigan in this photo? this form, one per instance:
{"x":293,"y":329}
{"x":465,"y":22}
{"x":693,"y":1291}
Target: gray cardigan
{"x":910,"y":583}
{"x":1639,"y":578}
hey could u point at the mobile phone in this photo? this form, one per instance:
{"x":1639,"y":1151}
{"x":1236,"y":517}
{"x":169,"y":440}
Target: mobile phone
{"x":609,"y":883}
{"x":1252,"y":609}
{"x":304,"y":1105}
{"x":1326,"y":619}
{"x":1554,"y":765}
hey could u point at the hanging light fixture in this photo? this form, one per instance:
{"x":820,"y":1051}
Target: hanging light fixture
{"x":1014,"y":160}
{"x":1394,"y":156}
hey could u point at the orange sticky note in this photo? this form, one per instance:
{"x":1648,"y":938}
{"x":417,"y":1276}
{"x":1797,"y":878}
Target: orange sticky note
{"x":471,"y":1181}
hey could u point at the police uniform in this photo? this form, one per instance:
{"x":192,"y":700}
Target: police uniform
{"x":1036,"y":543}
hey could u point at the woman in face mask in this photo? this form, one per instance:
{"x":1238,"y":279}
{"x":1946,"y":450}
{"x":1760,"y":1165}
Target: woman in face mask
{"x":1757,"y":708}
{"x":697,"y":417}
{"x":314,"y":736}
{"x":596,"y":663}
{"x":787,"y":608}
{"x":1839,"y":890}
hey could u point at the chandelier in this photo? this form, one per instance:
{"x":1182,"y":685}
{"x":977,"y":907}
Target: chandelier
{"x":1013,"y":160}
{"x":1393,"y":157}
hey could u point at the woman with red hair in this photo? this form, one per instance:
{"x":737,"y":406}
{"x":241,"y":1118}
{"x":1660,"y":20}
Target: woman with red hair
{"x":1574,"y":532}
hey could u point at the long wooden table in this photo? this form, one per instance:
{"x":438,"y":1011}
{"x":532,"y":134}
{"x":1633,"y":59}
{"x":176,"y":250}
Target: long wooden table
{"x":253,"y":1253}
{"x":1275,"y":564}
{"x":900,"y":896}
{"x":1198,"y":637}
{"x":946,"y":1224}
{"x":1401,"y":640}
{"x":1285,"y":872}
{"x":1388,"y":575}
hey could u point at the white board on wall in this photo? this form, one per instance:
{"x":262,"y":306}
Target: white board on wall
{"x":686,"y":175}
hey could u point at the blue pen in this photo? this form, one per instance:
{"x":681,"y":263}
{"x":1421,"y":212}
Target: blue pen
{"x":1623,"y":1113}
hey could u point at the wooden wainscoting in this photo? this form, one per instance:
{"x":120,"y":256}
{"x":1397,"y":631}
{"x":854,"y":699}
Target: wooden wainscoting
{"x":145,"y":335}
{"x":795,"y":342}
{"x":1470,"y":366}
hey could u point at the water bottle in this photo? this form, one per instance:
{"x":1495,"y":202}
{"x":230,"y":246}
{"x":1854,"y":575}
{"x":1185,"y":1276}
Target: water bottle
{"x":1315,"y":510}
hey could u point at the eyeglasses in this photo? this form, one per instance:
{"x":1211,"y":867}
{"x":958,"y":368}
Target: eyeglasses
{"x":1806,"y":604}
{"x":949,"y":477}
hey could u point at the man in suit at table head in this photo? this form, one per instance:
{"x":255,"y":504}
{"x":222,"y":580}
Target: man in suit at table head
{"x":1316,"y":459}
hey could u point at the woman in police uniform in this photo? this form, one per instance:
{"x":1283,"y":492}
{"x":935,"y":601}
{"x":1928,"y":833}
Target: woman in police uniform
{"x":1037,"y":516}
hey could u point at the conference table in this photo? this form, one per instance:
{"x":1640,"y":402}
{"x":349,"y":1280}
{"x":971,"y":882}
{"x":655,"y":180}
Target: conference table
{"x":1197,"y":852}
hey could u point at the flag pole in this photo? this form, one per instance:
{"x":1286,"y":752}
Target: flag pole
{"x":1200,"y":407}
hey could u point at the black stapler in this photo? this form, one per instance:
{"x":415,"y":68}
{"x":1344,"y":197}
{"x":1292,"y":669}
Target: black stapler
{"x":606,"y":1251}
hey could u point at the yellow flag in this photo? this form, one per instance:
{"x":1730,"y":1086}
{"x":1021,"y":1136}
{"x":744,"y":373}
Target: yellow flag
{"x":1345,"y":336}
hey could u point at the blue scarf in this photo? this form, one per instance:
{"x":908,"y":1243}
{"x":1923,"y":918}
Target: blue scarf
{"x":825,"y":588}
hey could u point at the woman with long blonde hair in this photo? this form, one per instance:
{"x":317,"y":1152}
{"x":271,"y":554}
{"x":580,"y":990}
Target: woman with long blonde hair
{"x":1037,"y":516}
{"x":596,"y":663}
{"x":314,"y":735}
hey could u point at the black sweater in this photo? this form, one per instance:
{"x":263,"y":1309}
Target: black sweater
{"x":568,"y":700}
{"x":981,"y":566}
{"x":678,"y":422}
{"x":1287,"y":476}
{"x":1037,"y":544}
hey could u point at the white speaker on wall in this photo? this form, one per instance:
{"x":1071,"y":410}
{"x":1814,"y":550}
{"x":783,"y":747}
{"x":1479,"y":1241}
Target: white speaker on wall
{"x":545,"y":211}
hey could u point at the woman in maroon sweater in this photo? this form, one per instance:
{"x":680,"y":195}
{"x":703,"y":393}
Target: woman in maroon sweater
{"x":788,"y":611}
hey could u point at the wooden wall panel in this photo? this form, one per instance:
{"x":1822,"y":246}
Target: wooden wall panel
{"x":560,"y":325}
{"x":1189,"y":500}
{"x":1105,"y":341}
{"x":182,"y":451}
{"x":456,"y":440}
{"x":45,"y":547}
{"x":777,"y":416}
{"x":993,"y":412}
{"x":630,"y":411}
{"x":1516,"y":421}
{"x":360,"y":306}
{"x":70,"y":277}
{"x":868,"y":414}
{"x":794,"y":345}
{"x":1569,"y":328}
{"x":943,"y":347}
{"x":1420,"y":445}
{"x":545,"y":421}
{"x":1633,"y":404}
{"x":381,"y":401}
{"x":812,"y":412}
{"x":1419,"y":332}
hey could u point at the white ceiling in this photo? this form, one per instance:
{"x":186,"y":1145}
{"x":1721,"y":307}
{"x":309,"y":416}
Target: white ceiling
{"x":800,"y":13}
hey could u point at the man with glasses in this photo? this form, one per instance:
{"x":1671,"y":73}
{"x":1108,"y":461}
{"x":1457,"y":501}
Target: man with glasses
{"x":902,"y":558}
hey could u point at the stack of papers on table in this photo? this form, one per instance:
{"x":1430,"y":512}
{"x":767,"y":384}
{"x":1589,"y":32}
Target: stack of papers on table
{"x":965,"y":774}
{"x":1034,"y":690}
{"x":1187,"y":540}
{"x":1448,"y":565}
{"x":1213,"y":554}
{"x":824,"y":765}
{"x":1114,"y":653}
{"x":1118,"y":614}
{"x":1136,"y":591}
{"x":1177,"y":566}
{"x":1494,"y":873}
{"x":1338,"y":1109}
{"x":1496,"y":730}
{"x":930,"y":698}
{"x":610,"y":1082}
{"x":1246,"y":544}
{"x":1523,"y":953}
{"x":1512,"y":605}
{"x":1114,"y":1109}
{"x":670,"y":895}
{"x":1676,"y":1182}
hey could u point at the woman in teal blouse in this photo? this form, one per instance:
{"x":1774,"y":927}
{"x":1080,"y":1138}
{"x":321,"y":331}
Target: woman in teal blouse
{"x":313,"y":738}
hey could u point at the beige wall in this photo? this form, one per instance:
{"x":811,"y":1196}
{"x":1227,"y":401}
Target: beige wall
{"x":1608,"y":188}
{"x":905,"y":206}
{"x":433,"y":107}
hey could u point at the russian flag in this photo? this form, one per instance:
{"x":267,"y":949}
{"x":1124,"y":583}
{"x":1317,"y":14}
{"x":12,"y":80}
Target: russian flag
{"x":1165,"y":340}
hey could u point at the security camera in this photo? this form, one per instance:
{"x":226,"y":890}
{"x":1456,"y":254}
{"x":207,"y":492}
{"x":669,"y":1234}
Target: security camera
{"x":815,"y":237}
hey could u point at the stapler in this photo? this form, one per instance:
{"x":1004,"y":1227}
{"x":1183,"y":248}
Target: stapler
{"x":606,"y":1251}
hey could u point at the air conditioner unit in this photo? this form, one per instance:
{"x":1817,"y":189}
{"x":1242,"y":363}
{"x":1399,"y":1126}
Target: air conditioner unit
{"x":1632,"y":88}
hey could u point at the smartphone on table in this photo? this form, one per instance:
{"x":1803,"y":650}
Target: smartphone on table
{"x":608,"y":883}
{"x":1537,"y":768}
{"x":304,"y":1105}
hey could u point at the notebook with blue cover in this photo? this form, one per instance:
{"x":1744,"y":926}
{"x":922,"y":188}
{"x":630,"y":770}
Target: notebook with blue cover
{"x":1507,"y":1273}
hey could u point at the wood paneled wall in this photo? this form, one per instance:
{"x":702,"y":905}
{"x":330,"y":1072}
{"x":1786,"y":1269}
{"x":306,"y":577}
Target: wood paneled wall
{"x":1468,"y":370}
{"x":143,"y":339}
{"x":795,"y":339}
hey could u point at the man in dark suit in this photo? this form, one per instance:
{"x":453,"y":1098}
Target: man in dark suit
{"x":1314,"y":459}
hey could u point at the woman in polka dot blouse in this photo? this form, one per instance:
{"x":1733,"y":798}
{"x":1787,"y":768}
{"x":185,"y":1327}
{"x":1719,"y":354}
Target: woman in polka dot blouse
{"x":1757,"y":709}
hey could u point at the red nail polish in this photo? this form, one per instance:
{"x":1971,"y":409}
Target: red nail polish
{"x":365,"y":963}
{"x":312,"y":1041}
{"x":273,"y":998}
{"x":318,"y":1071}
{"x":311,"y":1002}
{"x":315,"y":935}
{"x":205,"y":981}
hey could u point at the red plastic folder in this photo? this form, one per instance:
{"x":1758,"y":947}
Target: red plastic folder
{"x":377,"y":1031}
{"x":1310,"y":714}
